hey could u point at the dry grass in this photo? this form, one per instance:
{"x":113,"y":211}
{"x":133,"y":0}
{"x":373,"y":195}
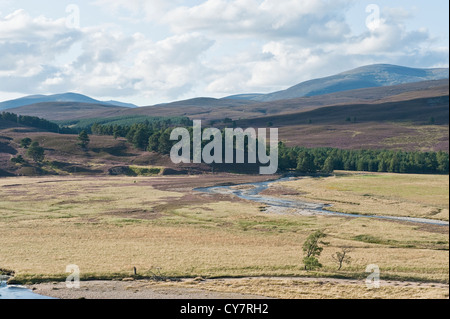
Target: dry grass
{"x":424,"y":196}
{"x":107,"y":226}
{"x":310,"y":288}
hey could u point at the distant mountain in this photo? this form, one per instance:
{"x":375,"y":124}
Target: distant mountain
{"x":249,"y":96}
{"x":219,"y":109}
{"x":377,"y":75}
{"x":207,"y":102}
{"x":121,"y":104}
{"x":66,"y":97}
{"x":60,"y":111}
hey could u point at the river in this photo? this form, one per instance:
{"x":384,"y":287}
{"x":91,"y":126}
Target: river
{"x":252,"y":192}
{"x":18,"y":292}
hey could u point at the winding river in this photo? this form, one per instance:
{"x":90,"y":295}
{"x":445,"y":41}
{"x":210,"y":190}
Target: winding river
{"x":252,"y":192}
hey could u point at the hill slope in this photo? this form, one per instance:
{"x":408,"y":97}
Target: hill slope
{"x":398,"y":93}
{"x":214,"y":109}
{"x":55,"y":111}
{"x":377,"y":75}
{"x":66,"y":97}
{"x":415,"y":111}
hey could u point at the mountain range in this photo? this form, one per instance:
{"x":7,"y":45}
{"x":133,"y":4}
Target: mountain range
{"x":374,"y":84}
{"x":371,"y":76}
{"x":377,"y":75}
{"x":373,"y":107}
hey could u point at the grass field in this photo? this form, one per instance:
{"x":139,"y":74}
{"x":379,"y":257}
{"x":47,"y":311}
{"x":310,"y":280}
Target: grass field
{"x":424,"y":196}
{"x":108,"y":225}
{"x":311,"y":288}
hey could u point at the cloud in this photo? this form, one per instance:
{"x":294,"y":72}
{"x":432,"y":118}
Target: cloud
{"x":135,"y":10}
{"x":107,"y":62}
{"x":390,"y":38}
{"x":213,"y":48}
{"x":283,"y":62}
{"x":172,"y":67}
{"x":266,"y":19}
{"x":118,"y":65}
{"x":28,"y":44}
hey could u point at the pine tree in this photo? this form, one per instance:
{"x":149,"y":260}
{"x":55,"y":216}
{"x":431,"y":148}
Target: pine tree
{"x":36,"y":152}
{"x":328,"y":166}
{"x":140,"y":138}
{"x":153,"y":142}
{"x":25,"y":142}
{"x":312,"y":250}
{"x":305,"y":163}
{"x":164,"y":143}
{"x":84,"y":139}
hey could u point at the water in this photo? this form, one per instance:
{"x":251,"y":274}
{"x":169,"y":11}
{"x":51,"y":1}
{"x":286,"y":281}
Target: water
{"x":17,"y":292}
{"x":253,"y":193}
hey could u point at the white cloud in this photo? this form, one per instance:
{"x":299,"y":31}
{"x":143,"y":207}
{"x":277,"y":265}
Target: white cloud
{"x":110,"y":63}
{"x":289,"y":60}
{"x":27,"y":43}
{"x":171,"y":67}
{"x":215,"y":48}
{"x":135,"y":9}
{"x":117,"y":65}
{"x":390,"y":38}
{"x":28,"y":47}
{"x":269,"y":19}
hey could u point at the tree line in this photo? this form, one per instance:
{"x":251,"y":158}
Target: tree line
{"x":93,"y":126}
{"x":151,"y":136}
{"x":155,"y":137}
{"x":123,"y":121}
{"x":326,"y":160}
{"x":36,"y":122}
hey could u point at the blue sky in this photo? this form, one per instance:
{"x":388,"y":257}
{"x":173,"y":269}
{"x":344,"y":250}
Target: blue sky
{"x":155,"y":51}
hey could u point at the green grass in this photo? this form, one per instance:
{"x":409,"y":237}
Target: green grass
{"x":405,"y":195}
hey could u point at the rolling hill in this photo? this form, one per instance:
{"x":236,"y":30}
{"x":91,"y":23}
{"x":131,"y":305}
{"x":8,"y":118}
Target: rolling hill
{"x":58,"y":98}
{"x":216,"y":112}
{"x":377,"y":75}
{"x":55,"y":111}
{"x":418,"y":111}
{"x":217,"y":109}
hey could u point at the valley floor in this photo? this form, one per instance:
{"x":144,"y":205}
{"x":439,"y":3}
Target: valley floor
{"x":244,"y":288}
{"x":108,"y":226}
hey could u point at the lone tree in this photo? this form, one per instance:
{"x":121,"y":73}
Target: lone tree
{"x":36,"y":152}
{"x":312,"y":250}
{"x":84,"y":139}
{"x":25,"y":142}
{"x":342,"y":257}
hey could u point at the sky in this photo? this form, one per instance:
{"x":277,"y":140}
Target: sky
{"x":155,"y":51}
